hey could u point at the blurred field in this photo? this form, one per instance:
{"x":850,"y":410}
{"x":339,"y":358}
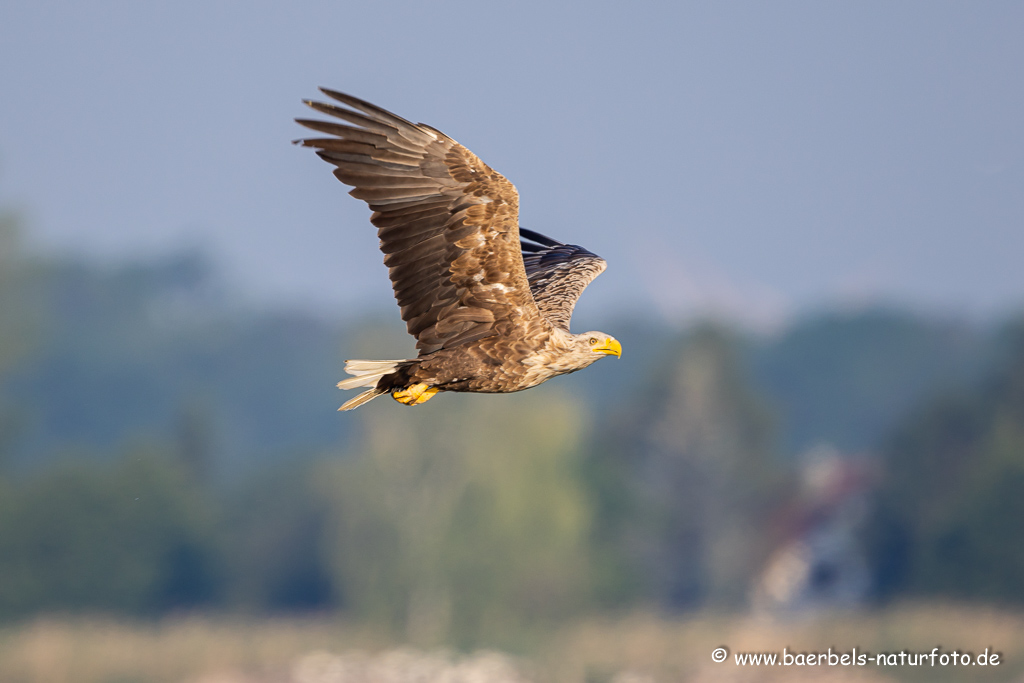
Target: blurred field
{"x":641,"y":648}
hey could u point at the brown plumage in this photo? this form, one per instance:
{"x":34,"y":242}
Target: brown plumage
{"x":490,"y":313}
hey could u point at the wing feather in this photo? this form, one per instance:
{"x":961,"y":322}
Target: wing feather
{"x":558,"y":273}
{"x":447,"y":222}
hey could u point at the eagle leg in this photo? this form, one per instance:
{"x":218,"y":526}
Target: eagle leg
{"x":414,"y":395}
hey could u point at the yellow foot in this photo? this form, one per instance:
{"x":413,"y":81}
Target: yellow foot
{"x":414,"y":395}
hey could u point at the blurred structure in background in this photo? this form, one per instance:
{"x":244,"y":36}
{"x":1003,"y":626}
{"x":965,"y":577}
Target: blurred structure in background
{"x":821,"y":563}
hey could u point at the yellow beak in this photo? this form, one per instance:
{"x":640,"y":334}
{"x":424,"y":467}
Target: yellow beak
{"x":610,"y":346}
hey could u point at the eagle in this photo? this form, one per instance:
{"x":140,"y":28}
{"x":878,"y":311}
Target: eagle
{"x":488,"y":302}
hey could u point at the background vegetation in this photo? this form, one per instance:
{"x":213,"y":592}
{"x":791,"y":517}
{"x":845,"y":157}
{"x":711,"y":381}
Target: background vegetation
{"x":166,"y":451}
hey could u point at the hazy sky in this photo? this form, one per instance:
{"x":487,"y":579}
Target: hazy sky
{"x":752,"y":159}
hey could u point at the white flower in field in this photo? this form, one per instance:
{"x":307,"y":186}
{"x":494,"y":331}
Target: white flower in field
{"x":406,"y":666}
{"x":324,"y":667}
{"x":632,"y":677}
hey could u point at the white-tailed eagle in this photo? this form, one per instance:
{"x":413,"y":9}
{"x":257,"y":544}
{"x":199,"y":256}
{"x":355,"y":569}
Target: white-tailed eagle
{"x":487,"y":301}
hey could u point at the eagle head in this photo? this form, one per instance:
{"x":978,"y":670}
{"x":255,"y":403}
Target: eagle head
{"x":593,"y":345}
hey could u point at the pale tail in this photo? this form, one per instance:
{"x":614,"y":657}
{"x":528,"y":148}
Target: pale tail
{"x":367,"y":373}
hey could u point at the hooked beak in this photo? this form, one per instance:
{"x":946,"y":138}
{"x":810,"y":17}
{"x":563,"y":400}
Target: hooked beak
{"x":610,"y":346}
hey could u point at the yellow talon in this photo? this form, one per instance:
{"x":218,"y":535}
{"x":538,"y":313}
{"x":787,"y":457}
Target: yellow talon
{"x":414,"y":395}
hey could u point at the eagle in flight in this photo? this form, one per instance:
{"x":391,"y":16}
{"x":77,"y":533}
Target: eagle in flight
{"x":487,"y":301}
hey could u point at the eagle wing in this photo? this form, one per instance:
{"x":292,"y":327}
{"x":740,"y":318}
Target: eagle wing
{"x":558,"y":273}
{"x":448,"y":223}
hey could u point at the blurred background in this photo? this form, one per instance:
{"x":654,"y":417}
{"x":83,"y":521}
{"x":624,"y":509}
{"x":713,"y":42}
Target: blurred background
{"x":814,"y":220}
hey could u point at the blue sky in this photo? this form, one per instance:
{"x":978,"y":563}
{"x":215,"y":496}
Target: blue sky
{"x":751,"y":160}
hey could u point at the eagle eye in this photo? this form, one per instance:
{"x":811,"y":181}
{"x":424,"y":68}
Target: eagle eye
{"x":593,"y":340}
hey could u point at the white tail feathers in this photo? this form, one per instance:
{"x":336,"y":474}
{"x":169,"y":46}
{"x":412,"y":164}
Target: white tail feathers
{"x":362,"y":398}
{"x":366,"y":374}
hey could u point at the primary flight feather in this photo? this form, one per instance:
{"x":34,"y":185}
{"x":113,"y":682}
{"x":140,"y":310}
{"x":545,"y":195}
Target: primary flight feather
{"x":489,"y":303}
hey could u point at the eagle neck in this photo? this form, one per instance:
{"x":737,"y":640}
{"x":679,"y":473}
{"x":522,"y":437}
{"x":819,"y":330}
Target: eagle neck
{"x":563,"y":338}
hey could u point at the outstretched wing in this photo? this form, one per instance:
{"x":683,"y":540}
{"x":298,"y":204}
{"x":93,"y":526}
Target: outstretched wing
{"x":448,"y":224}
{"x":558,"y":273}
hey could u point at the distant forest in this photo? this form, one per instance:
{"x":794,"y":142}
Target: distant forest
{"x":162,"y":447}
{"x":157,"y":351}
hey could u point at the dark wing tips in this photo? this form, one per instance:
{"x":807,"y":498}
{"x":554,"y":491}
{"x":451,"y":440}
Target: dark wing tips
{"x":363,"y":122}
{"x":541,"y":252}
{"x":367,"y":108}
{"x":370,"y":117}
{"x":538,"y":238}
